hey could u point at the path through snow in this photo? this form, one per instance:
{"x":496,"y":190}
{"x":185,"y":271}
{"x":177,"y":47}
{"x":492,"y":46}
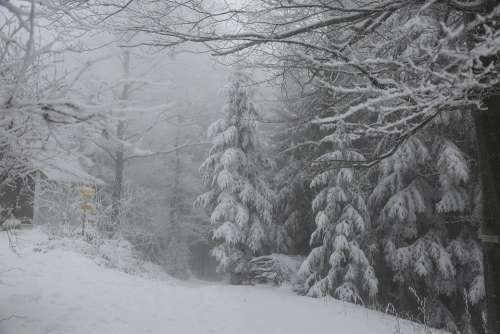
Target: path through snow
{"x":62,"y":292}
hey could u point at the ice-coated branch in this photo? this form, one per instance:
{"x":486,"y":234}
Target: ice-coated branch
{"x":149,"y":154}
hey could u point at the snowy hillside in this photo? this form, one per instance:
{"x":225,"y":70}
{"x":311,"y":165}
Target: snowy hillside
{"x":57,"y":291}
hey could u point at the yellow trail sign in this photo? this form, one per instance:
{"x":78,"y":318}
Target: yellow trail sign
{"x":87,"y":193}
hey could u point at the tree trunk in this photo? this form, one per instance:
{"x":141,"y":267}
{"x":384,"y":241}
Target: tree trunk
{"x":177,"y":247}
{"x":118,"y":181}
{"x":119,"y":158}
{"x":488,"y":137}
{"x":174,"y":201}
{"x":487,"y":124}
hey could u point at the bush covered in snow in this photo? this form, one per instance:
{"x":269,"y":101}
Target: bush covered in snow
{"x":274,"y":268}
{"x":11,"y":223}
{"x":115,"y":253}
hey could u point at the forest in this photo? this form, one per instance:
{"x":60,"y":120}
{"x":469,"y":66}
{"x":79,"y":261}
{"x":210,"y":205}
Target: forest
{"x":344,"y":150}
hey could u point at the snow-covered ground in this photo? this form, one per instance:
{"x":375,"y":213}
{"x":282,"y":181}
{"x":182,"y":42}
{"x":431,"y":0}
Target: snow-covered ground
{"x":53,"y":290}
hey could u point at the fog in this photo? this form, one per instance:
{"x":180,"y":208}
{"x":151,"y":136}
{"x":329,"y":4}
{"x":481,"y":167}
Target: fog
{"x":259,"y":166}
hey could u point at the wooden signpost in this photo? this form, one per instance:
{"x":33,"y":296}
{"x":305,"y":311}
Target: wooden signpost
{"x":86,"y":193}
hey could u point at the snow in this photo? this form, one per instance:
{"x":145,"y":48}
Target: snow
{"x":50,"y":289}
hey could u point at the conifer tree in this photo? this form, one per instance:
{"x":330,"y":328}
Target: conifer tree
{"x":238,"y":199}
{"x":413,"y":240}
{"x":459,"y":204}
{"x":294,"y":219}
{"x":337,"y":265}
{"x":420,"y":206}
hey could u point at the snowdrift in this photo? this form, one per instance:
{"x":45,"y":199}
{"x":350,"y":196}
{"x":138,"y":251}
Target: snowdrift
{"x":53,"y":289}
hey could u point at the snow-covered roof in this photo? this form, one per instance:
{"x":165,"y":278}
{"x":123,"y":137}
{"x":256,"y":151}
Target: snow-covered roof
{"x":62,"y":167}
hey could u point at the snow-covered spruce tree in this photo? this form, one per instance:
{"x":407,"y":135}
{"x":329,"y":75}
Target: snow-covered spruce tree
{"x":337,"y":265}
{"x":459,"y":204}
{"x":413,"y":240}
{"x":422,"y":206}
{"x":239,"y":198}
{"x":294,"y":219}
{"x":293,"y":216}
